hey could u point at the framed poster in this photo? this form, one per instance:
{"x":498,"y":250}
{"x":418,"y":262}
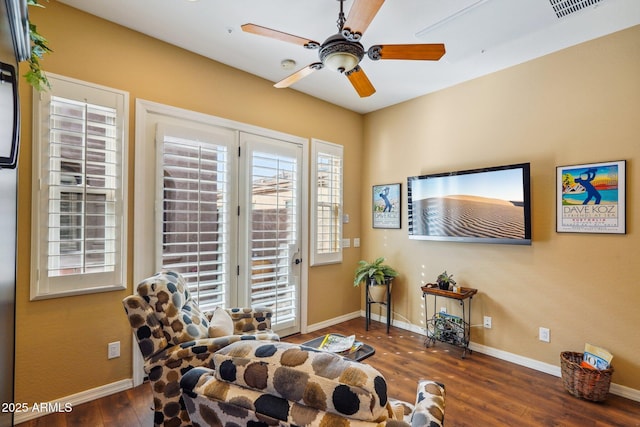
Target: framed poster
{"x":590,"y":198}
{"x":386,"y":206}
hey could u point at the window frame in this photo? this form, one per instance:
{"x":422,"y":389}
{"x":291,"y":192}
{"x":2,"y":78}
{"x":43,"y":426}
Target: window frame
{"x":319,"y":148}
{"x":43,"y":286}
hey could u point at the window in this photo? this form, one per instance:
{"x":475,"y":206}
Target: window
{"x":79,"y":200}
{"x":326,"y":225}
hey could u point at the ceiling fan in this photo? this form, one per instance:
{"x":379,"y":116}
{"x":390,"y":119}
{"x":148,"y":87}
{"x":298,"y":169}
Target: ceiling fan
{"x":343,"y":51}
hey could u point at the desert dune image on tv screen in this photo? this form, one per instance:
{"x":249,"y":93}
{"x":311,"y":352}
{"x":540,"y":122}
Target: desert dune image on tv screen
{"x":486,"y":205}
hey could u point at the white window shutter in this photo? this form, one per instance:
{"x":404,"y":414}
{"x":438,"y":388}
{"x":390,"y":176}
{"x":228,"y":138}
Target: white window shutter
{"x":194,"y":208}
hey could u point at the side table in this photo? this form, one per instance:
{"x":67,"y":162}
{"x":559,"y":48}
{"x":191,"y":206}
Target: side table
{"x":447,"y":328}
{"x":361,"y":353}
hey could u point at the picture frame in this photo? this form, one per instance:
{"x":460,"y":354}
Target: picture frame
{"x":591,"y":198}
{"x":386,"y":205}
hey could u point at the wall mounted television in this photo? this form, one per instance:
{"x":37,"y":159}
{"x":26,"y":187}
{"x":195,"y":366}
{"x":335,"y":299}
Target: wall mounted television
{"x":488,"y":205}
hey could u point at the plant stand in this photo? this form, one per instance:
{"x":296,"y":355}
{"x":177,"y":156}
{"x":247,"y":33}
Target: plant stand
{"x":370,"y":301}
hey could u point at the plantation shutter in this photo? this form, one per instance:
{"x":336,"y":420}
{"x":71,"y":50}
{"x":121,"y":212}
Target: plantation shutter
{"x":82,"y":174}
{"x":194,"y":199}
{"x":273,"y":219}
{"x":326,"y":238}
{"x":78,"y":207}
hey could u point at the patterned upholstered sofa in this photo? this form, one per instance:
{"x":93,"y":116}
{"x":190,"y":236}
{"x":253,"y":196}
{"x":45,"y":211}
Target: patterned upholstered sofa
{"x":264,"y":384}
{"x":174,"y":336}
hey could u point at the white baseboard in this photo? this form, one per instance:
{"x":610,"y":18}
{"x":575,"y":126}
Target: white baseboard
{"x":624,"y":391}
{"x":334,"y":321}
{"x":547,"y":368}
{"x":66,"y":404}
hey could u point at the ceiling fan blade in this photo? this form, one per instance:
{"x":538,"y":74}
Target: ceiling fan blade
{"x":279,"y":35}
{"x":429,"y":52}
{"x":360,"y":16}
{"x":360,"y":82}
{"x":298,"y":75}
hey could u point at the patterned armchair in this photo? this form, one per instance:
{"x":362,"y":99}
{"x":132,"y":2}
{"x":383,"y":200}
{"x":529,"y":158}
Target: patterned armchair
{"x":174,"y":336}
{"x":283,"y":384}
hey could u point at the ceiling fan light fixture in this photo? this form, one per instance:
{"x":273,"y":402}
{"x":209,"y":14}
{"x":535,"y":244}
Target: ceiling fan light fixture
{"x":341,"y":61}
{"x":340,"y":55}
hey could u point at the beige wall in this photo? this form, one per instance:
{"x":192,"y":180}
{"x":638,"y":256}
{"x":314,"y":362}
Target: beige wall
{"x":579,"y":105}
{"x":61,"y":344}
{"x":576,"y":106}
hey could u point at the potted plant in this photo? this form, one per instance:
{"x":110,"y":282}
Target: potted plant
{"x":377,"y":275}
{"x":445,"y":280}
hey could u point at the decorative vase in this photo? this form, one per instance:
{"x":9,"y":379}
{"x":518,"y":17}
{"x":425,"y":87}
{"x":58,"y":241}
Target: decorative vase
{"x":443,"y":285}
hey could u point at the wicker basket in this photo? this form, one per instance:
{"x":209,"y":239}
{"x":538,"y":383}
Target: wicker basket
{"x":585,"y":383}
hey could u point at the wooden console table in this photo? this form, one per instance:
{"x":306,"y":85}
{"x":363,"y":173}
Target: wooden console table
{"x":445,"y":327}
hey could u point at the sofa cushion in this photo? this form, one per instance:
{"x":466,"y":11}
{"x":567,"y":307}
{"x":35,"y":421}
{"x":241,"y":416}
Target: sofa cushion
{"x":316,"y":379}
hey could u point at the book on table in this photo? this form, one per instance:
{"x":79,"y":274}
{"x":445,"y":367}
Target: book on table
{"x":336,"y":343}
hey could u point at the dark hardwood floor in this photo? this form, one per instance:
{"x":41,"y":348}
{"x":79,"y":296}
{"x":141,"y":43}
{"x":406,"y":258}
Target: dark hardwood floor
{"x":481,"y":390}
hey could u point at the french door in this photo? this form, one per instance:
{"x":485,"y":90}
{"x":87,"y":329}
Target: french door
{"x":228,"y":208}
{"x":270,"y":249}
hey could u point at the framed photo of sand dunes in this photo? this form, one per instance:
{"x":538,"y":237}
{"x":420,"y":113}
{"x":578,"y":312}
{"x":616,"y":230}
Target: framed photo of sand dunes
{"x":385,"y":206}
{"x":590,"y":198}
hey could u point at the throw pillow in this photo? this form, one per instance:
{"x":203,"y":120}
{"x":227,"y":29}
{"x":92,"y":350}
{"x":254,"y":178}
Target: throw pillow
{"x":220,"y":324}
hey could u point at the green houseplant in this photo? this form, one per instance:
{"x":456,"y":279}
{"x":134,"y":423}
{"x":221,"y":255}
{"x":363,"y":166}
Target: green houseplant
{"x":374,"y":272}
{"x":377,"y":275}
{"x":39,"y":46}
{"x":445,"y":280}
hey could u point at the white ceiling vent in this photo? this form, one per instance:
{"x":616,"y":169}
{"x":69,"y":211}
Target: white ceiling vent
{"x":563,"y":8}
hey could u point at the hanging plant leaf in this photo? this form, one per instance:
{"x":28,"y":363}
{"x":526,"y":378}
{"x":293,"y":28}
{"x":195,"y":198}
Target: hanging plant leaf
{"x":39,"y":47}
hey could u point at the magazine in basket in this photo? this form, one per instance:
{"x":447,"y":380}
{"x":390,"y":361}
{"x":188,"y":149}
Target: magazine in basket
{"x":596,"y":357}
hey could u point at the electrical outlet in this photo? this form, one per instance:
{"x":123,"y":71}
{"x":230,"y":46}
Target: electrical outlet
{"x":113,"y":350}
{"x":443,"y":310}
{"x":544,"y":334}
{"x":487,"y":322}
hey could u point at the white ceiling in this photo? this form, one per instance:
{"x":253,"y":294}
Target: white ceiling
{"x":481,"y":36}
